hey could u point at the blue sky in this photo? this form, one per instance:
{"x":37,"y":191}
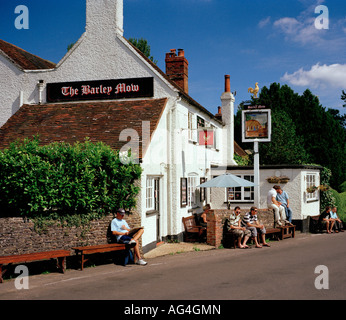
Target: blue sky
{"x":252,"y":40}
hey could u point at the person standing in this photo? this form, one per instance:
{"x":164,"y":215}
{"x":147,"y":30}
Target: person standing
{"x":279,"y":211}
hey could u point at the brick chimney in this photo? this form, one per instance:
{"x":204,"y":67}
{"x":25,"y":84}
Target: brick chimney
{"x":177,"y":68}
{"x":219,"y":113}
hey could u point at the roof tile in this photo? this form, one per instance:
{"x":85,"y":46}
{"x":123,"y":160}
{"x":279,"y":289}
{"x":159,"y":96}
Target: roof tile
{"x":24,"y":59}
{"x":72,"y":122}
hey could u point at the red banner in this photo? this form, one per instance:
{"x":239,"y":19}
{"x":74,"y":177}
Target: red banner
{"x":206,"y":137}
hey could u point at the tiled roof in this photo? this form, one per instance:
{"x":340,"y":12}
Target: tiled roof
{"x":238,"y":150}
{"x":71,"y":122}
{"x":24,"y":59}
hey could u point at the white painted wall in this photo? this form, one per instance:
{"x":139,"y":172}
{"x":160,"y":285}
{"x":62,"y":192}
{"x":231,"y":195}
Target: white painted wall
{"x":11,"y":81}
{"x":295,"y":188}
{"x":107,"y":55}
{"x":172,"y":156}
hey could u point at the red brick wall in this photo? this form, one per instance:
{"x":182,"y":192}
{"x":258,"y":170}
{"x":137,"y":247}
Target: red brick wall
{"x":217,"y":218}
{"x":18,"y":236}
{"x":177,"y":69}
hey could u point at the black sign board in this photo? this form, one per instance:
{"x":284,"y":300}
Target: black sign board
{"x":100,"y":90}
{"x":254,"y":107}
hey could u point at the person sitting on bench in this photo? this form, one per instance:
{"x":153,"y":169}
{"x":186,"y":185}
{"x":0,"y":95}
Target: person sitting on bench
{"x":203,"y":216}
{"x":122,"y":231}
{"x":283,"y":198}
{"x":338,"y":226}
{"x":239,"y":231}
{"x":326,"y":221}
{"x":250,"y":222}
{"x":279,"y":210}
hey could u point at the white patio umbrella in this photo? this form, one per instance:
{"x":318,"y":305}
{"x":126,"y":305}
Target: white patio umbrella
{"x":227,"y":180}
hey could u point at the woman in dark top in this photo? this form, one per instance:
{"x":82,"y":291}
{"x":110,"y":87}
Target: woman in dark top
{"x":203,"y":216}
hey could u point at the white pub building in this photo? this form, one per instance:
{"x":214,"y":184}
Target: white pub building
{"x":107,"y":90}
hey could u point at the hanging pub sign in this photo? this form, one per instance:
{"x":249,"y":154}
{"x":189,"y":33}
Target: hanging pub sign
{"x":206,"y":137}
{"x":256,"y":124}
{"x":250,"y":107}
{"x":100,"y":90}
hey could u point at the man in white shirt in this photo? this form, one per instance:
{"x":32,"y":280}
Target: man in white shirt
{"x":120,"y":229}
{"x":279,"y":211}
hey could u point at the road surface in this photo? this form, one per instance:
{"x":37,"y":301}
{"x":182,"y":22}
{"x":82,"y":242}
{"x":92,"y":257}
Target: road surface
{"x":286,"y":270}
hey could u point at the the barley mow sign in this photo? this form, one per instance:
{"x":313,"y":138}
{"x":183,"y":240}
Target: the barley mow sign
{"x":100,"y":90}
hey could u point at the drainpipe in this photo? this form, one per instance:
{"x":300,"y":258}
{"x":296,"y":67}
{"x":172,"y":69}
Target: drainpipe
{"x":40,"y":86}
{"x":21,"y":99}
{"x":171,"y":166}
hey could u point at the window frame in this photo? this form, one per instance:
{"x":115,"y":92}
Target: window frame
{"x":242,"y":191}
{"x":149,"y":193}
{"x":190,"y":126}
{"x":311,"y":179}
{"x":192,"y":183}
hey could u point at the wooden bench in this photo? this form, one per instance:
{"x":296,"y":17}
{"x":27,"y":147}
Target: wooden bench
{"x":36,"y":256}
{"x":314,"y":224}
{"x":280,"y":233}
{"x":192,"y":231}
{"x":287,"y":232}
{"x":82,"y":251}
{"x":276,"y":232}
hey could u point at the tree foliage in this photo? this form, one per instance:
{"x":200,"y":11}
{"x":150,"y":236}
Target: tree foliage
{"x":289,"y":147}
{"x":60,"y":180}
{"x":144,"y":47}
{"x":311,"y":134}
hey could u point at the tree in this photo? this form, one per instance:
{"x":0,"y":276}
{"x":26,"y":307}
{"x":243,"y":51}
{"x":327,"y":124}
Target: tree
{"x":142,"y":45}
{"x":70,"y":46}
{"x":286,"y":147}
{"x":343,"y":97}
{"x":319,"y":132}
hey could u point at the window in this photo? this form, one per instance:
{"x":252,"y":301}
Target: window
{"x":190,"y":125}
{"x":311,"y":182}
{"x":150,"y":193}
{"x":200,"y":122}
{"x":183,"y":192}
{"x":203,"y":191}
{"x":215,"y":138}
{"x":238,"y":194}
{"x":191,"y":190}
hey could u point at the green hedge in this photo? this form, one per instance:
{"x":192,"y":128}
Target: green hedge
{"x":340,"y":202}
{"x":59,"y":181}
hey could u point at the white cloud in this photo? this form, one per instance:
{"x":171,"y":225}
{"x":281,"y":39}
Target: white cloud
{"x":319,"y":76}
{"x":264,"y":22}
{"x":299,"y":31}
{"x":302,"y":29}
{"x":288,"y":25}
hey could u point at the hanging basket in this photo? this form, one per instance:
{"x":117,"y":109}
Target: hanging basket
{"x":278,"y":179}
{"x":311,"y":189}
{"x":324,"y":188}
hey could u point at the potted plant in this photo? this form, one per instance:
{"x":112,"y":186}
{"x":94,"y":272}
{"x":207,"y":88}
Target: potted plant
{"x":311,"y":189}
{"x":275,"y":179}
